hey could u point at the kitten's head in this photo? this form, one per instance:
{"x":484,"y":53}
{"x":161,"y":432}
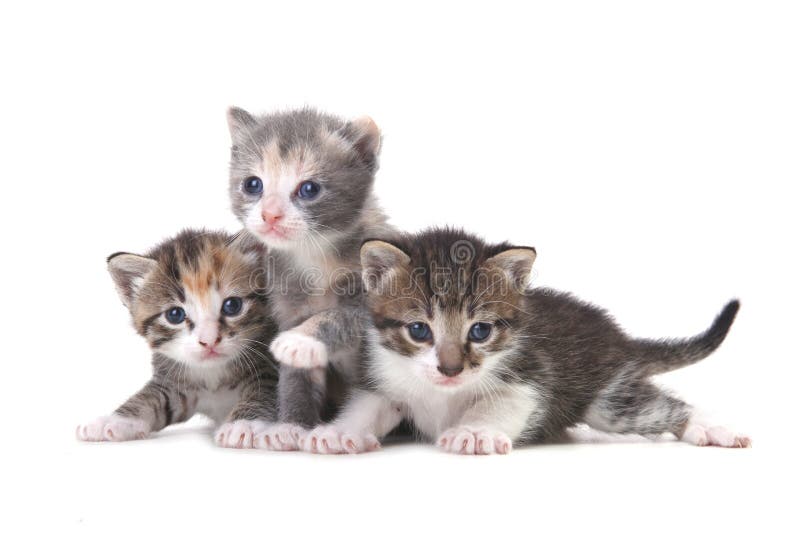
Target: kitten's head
{"x":299,"y":174}
{"x":445,"y":304}
{"x":195,"y":297}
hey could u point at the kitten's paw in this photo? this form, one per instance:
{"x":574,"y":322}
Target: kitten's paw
{"x":279,"y":437}
{"x":239,"y":434}
{"x":299,"y":350}
{"x":329,"y":439}
{"x":113,"y":428}
{"x":477,"y":440}
{"x":716,"y":436}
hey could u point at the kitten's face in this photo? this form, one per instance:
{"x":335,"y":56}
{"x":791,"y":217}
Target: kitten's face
{"x":444,"y":304}
{"x":193,"y":297}
{"x":300,"y":179}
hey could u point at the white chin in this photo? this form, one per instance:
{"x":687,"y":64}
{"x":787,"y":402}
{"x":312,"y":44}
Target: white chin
{"x":274,"y":241}
{"x":210,"y":362}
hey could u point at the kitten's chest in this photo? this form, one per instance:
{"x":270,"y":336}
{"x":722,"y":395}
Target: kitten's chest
{"x":296,"y":306}
{"x":433,"y":411}
{"x":307,"y":289}
{"x":218,"y":404}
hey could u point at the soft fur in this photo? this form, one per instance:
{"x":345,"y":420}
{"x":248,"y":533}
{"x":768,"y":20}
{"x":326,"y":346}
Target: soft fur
{"x":210,"y":363}
{"x":550,"y":361}
{"x":313,"y":267}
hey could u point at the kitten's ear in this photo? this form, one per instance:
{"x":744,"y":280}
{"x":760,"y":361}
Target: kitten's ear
{"x":367,"y":138}
{"x":239,"y":122}
{"x":380,"y":261}
{"x":516,"y":263}
{"x":128,"y":272}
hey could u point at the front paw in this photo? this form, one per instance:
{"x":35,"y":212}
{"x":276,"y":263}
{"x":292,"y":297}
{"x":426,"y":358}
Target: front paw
{"x":239,"y":434}
{"x":299,"y":350}
{"x":329,"y":439}
{"x":113,"y":428}
{"x":279,"y":437}
{"x":474,"y":440}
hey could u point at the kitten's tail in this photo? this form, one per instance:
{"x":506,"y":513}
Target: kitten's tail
{"x":667,"y":355}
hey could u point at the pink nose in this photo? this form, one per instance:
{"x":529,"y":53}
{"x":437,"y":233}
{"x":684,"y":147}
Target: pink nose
{"x":270,"y":217}
{"x":207,"y":343}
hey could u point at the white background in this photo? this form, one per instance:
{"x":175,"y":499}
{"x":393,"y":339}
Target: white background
{"x":648,"y":150}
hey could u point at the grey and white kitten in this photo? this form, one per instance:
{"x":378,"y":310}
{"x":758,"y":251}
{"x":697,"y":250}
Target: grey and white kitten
{"x":301,"y":182}
{"x":479,"y":362}
{"x":192,"y":298}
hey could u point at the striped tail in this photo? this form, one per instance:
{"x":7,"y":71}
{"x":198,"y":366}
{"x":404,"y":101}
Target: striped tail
{"x":662,"y":356}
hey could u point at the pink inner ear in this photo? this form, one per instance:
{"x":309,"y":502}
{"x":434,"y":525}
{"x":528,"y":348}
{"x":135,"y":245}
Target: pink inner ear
{"x":369,"y":141}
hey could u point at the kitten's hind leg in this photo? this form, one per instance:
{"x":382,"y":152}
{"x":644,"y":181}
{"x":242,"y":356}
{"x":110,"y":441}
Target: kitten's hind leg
{"x":640,"y":407}
{"x":698,"y":432}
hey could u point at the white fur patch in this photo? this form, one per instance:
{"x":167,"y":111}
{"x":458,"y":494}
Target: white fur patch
{"x":331,"y":439}
{"x":279,"y":437}
{"x":238,"y":434}
{"x":474,"y":440}
{"x":113,"y":428}
{"x":700,"y":433}
{"x":299,"y":350}
{"x":483,"y":402}
{"x":217,"y":404}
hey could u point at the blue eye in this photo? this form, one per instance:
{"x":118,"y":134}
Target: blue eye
{"x":308,"y":190}
{"x":419,"y":331}
{"x":253,"y":185}
{"x":175,"y":315}
{"x":232,"y":306}
{"x":480,"y":331}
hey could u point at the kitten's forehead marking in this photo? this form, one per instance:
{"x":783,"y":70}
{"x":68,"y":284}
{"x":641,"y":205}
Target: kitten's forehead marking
{"x":282,"y":172}
{"x":450,"y":323}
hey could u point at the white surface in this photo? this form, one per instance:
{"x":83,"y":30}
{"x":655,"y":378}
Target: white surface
{"x":650,"y":153}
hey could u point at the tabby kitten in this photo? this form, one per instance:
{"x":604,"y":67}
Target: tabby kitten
{"x":301,"y":182}
{"x":477,"y":361}
{"x":192,"y":298}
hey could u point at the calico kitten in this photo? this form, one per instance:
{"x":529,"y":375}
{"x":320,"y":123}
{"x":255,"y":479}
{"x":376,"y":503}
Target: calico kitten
{"x":301,"y":182}
{"x":192,"y":299}
{"x":477,"y":361}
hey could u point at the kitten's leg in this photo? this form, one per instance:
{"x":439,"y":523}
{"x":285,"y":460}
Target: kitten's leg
{"x":157,"y":405}
{"x":321,"y":337}
{"x":301,"y":395}
{"x":493,"y":423}
{"x":367,"y":417}
{"x":640,"y":407}
{"x":252,"y":417}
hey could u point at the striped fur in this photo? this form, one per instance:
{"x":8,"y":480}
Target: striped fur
{"x":550,"y":361}
{"x":233,"y":380}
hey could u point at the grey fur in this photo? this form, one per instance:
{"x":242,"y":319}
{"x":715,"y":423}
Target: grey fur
{"x":578,"y":365}
{"x":345,"y":212}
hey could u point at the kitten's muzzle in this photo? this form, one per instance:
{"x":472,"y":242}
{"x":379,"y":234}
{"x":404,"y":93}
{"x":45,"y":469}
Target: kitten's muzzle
{"x":451,"y":358}
{"x":450,"y":371}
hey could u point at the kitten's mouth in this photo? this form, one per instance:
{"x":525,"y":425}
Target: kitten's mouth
{"x":274,"y":232}
{"x":448,"y":381}
{"x":211,"y":354}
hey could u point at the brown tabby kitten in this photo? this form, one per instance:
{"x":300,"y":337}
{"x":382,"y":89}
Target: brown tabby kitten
{"x":477,"y":361}
{"x":301,"y":182}
{"x":192,"y":298}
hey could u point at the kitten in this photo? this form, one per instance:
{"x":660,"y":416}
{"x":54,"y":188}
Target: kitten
{"x":479,"y":362}
{"x":301,"y":182}
{"x":192,"y":299}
